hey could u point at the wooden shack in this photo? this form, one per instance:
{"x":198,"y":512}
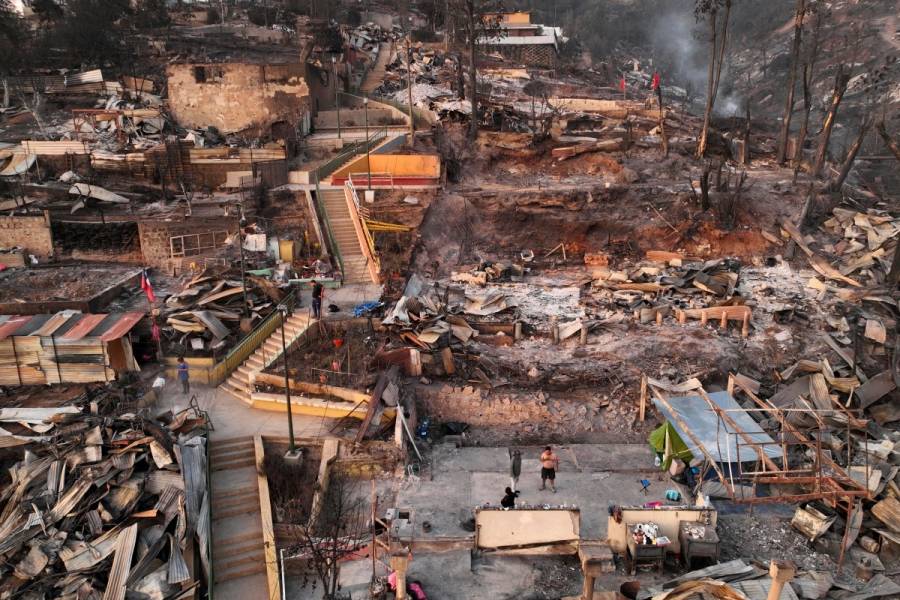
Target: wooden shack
{"x":66,"y":347}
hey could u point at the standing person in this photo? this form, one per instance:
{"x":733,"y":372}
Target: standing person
{"x":549,"y":465}
{"x":318,"y":292}
{"x":509,"y":500}
{"x":515,"y":467}
{"x":183,"y":375}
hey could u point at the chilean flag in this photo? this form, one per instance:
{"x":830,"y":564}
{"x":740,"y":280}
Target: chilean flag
{"x":655,"y":83}
{"x":622,"y":84}
{"x":147,"y":286}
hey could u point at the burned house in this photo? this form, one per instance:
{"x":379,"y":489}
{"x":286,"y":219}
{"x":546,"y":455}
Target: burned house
{"x":238,"y":96}
{"x":68,"y":347}
{"x":523,"y":42}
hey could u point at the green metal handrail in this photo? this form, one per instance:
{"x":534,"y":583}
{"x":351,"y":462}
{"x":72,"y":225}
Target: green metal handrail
{"x":335,"y":247}
{"x":330,"y":167}
{"x":248,"y":345}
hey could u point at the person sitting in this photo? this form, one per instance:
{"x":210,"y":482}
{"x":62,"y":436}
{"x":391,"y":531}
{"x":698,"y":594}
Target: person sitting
{"x":509,"y":500}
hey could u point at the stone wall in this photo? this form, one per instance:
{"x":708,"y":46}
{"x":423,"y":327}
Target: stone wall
{"x":237,"y":96}
{"x":31,"y":232}
{"x":155,"y":235}
{"x":474,"y":406}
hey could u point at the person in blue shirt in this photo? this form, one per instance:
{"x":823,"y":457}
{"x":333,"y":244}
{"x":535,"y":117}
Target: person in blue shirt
{"x":183,"y":375}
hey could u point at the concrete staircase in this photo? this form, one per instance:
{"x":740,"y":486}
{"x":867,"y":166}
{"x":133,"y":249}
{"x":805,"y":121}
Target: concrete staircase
{"x":239,"y":383}
{"x":344,"y":233}
{"x":239,"y":562}
{"x":375,"y":76}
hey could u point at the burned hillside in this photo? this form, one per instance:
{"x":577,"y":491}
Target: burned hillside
{"x":459,"y":299}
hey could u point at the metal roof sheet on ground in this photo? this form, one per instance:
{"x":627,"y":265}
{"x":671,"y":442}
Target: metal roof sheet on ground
{"x":11,"y":324}
{"x":758,"y":589}
{"x":716,"y":437}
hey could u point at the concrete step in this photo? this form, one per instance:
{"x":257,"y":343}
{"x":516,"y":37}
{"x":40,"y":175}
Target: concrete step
{"x":223,"y":504}
{"x":231,"y":453}
{"x":235,"y":463}
{"x":250,"y":547}
{"x":237,"y":395}
{"x":229,"y":574}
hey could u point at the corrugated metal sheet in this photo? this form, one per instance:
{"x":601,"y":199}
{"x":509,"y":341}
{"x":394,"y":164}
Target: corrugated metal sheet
{"x":121,"y":566}
{"x":108,"y":327}
{"x":54,"y":323}
{"x":193,"y":467}
{"x":718,"y":438}
{"x":12,"y":324}
{"x":122,"y":326}
{"x":83,"y":327}
{"x":178,"y":569}
{"x":758,"y":589}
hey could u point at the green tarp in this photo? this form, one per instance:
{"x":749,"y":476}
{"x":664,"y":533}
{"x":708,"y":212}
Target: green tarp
{"x":666,"y":441}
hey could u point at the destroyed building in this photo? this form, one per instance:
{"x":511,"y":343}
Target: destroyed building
{"x":522,"y":42}
{"x":331,"y":299}
{"x":235,"y":96}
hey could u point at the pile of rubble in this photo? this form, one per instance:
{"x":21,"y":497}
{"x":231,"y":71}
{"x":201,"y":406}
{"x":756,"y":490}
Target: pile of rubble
{"x":103,"y":503}
{"x":210,"y":308}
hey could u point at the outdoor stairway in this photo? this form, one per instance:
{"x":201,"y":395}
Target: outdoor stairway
{"x":238,"y":383}
{"x":375,"y":76}
{"x":344,"y":233}
{"x":238,"y":554}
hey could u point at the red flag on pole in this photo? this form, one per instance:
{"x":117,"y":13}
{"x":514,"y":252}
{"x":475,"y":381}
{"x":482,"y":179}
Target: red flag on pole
{"x":655,"y":83}
{"x":622,"y":84}
{"x":147,"y":286}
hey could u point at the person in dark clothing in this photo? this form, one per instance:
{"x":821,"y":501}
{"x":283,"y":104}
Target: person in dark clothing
{"x":509,"y":500}
{"x":318,"y":292}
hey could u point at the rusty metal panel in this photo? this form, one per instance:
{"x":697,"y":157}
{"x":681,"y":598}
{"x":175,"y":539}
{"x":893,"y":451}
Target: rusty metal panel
{"x":122,"y":326}
{"x":55,"y":322}
{"x":12,"y":324}
{"x":83,"y":327}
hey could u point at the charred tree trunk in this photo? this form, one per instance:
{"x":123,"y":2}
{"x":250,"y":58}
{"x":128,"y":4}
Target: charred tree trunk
{"x":714,"y":73}
{"x":460,"y":78}
{"x":792,"y":81}
{"x":808,"y":69}
{"x":662,"y":122}
{"x":851,"y":155}
{"x":710,"y":75}
{"x":473,"y":73}
{"x":840,"y":86}
{"x":893,"y":277}
{"x":747,"y":134}
{"x":892,"y":145}
{"x":704,"y":189}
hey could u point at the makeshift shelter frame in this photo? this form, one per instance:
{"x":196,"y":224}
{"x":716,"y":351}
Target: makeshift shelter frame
{"x":834,"y":487}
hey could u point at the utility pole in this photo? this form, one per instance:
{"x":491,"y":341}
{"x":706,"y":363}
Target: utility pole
{"x":368,"y":148}
{"x":292,"y":449}
{"x":412,"y":122}
{"x":241,"y":224}
{"x":337,"y":94}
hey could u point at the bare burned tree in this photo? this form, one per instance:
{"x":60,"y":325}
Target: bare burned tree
{"x":337,"y":530}
{"x":841,"y":79}
{"x":809,"y":68}
{"x":799,"y":15}
{"x":481,"y":20}
{"x":891,"y":144}
{"x":716,"y":13}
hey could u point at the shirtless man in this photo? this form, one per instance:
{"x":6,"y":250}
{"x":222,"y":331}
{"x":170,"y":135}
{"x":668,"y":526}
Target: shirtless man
{"x":549,"y":465}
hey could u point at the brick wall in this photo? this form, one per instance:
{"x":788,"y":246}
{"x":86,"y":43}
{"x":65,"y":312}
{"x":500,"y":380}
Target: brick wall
{"x":31,"y":232}
{"x":154,"y":235}
{"x":235,"y":96}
